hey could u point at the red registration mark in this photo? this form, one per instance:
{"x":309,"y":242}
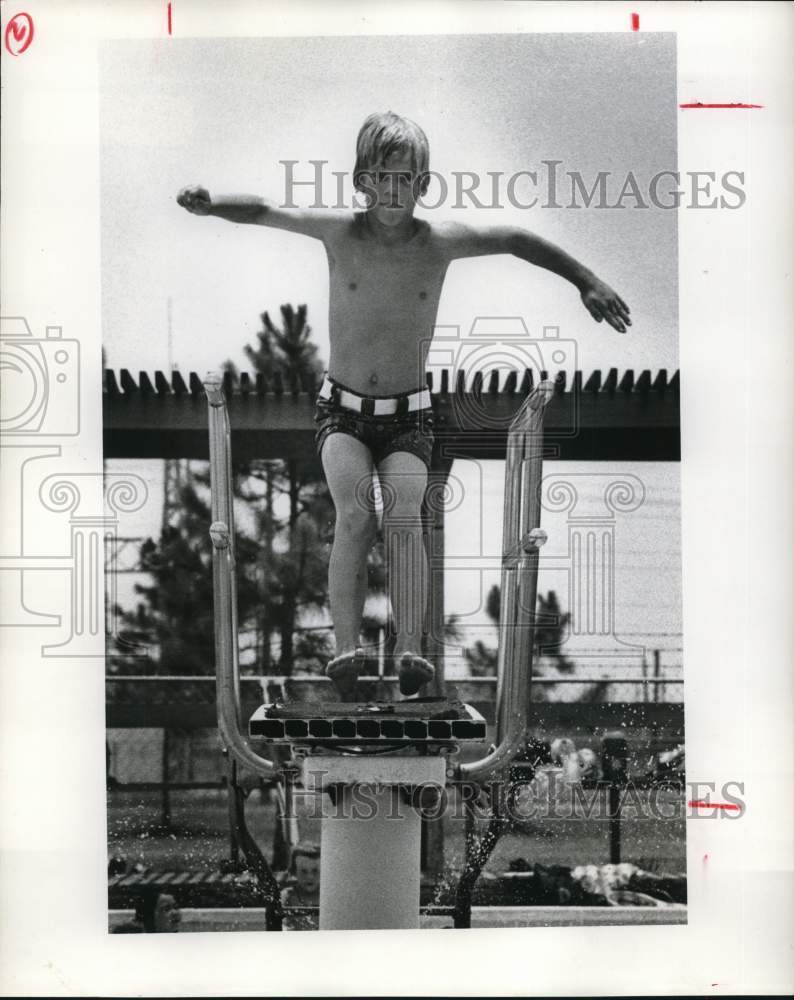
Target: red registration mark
{"x":19,"y":33}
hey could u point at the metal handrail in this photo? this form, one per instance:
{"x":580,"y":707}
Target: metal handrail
{"x":224,"y":586}
{"x":522,"y":538}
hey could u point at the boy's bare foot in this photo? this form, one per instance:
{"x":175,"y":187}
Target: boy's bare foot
{"x":344,"y":671}
{"x":413,"y":671}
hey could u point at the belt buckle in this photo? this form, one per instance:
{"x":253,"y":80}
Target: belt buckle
{"x":368,"y":406}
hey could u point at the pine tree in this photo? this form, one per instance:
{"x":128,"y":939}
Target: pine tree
{"x":292,"y":567}
{"x":551,"y":626}
{"x":281,"y":559}
{"x":175,"y":615}
{"x":289,"y":350}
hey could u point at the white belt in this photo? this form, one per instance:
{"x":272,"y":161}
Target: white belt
{"x":383,"y":405}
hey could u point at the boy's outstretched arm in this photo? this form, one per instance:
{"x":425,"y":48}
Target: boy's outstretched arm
{"x":254,"y":210}
{"x":599,"y":299}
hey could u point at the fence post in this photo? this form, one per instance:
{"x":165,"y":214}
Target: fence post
{"x":615,"y":771}
{"x":165,"y":802}
{"x":614,"y":823}
{"x":657,"y":673}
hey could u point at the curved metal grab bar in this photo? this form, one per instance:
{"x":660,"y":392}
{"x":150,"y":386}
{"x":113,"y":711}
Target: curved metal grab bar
{"x":522,"y":538}
{"x":224,"y":585}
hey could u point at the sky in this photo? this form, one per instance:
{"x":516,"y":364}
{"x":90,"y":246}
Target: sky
{"x":223,"y":113}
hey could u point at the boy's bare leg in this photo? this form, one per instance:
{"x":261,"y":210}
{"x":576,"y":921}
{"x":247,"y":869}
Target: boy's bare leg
{"x":348,"y":468}
{"x":403,"y":479}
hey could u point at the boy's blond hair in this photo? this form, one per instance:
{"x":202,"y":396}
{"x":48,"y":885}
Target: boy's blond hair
{"x":384,"y":133}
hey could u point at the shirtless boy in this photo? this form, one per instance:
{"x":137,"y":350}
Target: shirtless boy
{"x":374,"y":412}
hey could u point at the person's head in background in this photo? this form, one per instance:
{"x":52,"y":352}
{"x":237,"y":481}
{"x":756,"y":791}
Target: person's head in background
{"x":305,"y":866}
{"x":157,"y":912}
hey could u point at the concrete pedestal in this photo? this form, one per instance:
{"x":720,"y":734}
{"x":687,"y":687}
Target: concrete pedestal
{"x":370,"y":839}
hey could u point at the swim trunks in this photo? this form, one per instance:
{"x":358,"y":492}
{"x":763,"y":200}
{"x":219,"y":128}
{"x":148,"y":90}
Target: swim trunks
{"x":407,"y":429}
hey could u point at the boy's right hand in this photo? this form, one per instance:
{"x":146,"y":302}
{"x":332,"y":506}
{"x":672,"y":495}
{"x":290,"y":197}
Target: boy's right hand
{"x":195,"y":199}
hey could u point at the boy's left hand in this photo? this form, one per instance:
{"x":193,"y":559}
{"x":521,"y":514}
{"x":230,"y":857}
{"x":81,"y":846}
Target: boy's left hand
{"x":603,"y":303}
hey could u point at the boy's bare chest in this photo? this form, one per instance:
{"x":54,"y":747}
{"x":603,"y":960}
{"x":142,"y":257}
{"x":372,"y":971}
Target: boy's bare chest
{"x":405,"y":271}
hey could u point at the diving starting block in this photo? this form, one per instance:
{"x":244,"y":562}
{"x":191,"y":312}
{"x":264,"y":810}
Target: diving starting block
{"x":422,"y":723}
{"x":371,"y":843}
